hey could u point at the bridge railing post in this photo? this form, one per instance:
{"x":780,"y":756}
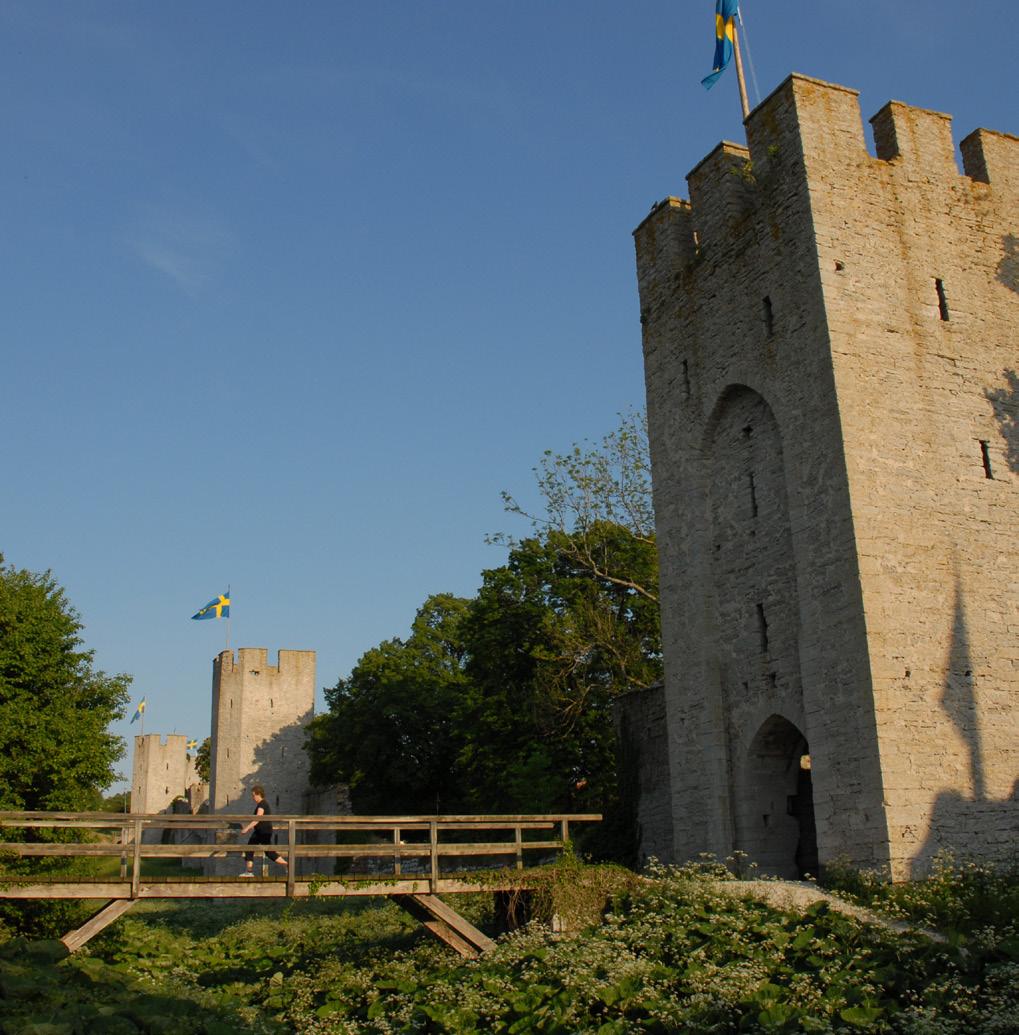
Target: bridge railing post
{"x":124,"y":835}
{"x":433,"y":833}
{"x":397,"y":859}
{"x":291,"y":857}
{"x":136,"y":866}
{"x":518,"y":832}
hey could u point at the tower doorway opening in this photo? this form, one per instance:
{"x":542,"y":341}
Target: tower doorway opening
{"x":775,"y":802}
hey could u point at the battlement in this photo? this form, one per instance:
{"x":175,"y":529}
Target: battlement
{"x":255,"y":661}
{"x":805,"y":138}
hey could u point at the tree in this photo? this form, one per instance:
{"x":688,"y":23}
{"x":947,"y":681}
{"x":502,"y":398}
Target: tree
{"x":550,"y":645}
{"x":389,"y":730}
{"x":56,"y":751}
{"x":589,"y":488}
{"x":203,"y":760}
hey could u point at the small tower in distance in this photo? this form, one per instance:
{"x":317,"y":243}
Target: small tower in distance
{"x":161,"y":772}
{"x":259,"y":715}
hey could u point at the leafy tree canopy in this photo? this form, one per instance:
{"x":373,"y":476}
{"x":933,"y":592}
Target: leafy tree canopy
{"x":203,"y":760}
{"x":503,"y":703}
{"x":389,"y":731}
{"x":56,"y":751}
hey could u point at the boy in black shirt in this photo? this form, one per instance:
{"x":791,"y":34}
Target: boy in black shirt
{"x":262,"y":832}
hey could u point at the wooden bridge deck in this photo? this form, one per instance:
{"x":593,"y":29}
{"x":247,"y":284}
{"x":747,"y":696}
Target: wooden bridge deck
{"x":411,"y":859}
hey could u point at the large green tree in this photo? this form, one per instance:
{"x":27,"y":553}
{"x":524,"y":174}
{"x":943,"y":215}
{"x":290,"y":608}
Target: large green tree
{"x":504,"y":702}
{"x":56,"y":751}
{"x":389,"y":732}
{"x":551,"y":645}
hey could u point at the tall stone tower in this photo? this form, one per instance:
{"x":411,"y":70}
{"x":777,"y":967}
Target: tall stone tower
{"x":831,"y":342}
{"x":259,"y":714}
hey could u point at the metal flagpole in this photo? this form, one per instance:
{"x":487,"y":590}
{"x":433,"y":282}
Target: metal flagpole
{"x":739,"y":70}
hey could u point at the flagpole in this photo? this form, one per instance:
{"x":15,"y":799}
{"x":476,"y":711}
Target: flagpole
{"x":739,"y":72}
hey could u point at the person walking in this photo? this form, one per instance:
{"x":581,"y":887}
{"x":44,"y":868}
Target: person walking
{"x":261,"y":832}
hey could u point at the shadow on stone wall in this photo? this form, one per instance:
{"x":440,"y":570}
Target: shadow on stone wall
{"x":960,"y":825}
{"x":1005,"y":402}
{"x":1008,"y":268}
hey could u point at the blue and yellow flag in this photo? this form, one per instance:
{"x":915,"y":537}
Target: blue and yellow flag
{"x":726,"y":12}
{"x":218,"y":608}
{"x":139,"y":711}
{"x":192,"y":744}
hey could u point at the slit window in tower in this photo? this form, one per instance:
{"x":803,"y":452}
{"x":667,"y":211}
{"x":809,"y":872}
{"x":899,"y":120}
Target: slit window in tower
{"x":939,"y":286}
{"x":686,"y":380}
{"x":769,"y":316}
{"x":753,"y":494}
{"x":985,"y":453}
{"x":762,"y":625}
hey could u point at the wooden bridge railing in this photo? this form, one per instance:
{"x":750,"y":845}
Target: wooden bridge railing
{"x":410,"y":858}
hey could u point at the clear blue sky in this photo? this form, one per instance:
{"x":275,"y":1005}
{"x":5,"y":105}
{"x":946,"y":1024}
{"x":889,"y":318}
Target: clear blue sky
{"x":290,"y":292}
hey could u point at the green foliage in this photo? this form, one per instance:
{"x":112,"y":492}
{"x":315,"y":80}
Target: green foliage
{"x":42,"y":992}
{"x":674,"y":954}
{"x":962,"y":898}
{"x":203,"y":760}
{"x":389,"y":731}
{"x":55,"y":748}
{"x":503,"y":703}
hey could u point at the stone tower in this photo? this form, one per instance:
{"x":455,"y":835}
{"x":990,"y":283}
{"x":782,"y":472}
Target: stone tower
{"x":259,"y":714}
{"x":162,"y":771}
{"x":831,"y":342}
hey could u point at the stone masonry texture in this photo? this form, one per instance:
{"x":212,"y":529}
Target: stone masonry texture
{"x":831,"y":343}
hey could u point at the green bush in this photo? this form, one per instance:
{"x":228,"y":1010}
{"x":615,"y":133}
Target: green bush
{"x":675,"y":953}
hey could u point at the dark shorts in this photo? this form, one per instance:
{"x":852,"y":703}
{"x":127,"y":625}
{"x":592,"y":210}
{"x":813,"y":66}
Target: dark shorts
{"x":255,"y":839}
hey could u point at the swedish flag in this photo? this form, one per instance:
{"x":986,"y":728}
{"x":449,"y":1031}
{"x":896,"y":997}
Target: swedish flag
{"x":726,"y":12}
{"x":139,"y":711}
{"x":218,"y":608}
{"x":192,"y":744}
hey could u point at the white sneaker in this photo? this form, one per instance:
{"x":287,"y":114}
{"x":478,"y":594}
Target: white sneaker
{"x":246,"y":873}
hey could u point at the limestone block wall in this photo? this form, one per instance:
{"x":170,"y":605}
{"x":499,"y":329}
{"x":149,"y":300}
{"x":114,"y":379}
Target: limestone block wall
{"x":259,"y":712}
{"x":643,"y":762}
{"x":922,"y":296}
{"x":159,"y":774}
{"x":827,"y":339}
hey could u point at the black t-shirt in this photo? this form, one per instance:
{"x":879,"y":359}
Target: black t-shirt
{"x":263,"y":830}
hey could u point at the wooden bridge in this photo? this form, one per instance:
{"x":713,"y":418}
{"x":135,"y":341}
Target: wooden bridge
{"x":411,"y":859}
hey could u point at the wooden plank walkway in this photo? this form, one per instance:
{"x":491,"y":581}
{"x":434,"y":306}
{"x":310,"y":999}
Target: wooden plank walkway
{"x":411,"y":859}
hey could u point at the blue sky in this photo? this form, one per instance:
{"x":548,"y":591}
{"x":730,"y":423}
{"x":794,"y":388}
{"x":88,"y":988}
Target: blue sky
{"x":291,"y":292}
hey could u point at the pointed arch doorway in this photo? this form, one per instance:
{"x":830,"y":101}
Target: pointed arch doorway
{"x":775,"y":801}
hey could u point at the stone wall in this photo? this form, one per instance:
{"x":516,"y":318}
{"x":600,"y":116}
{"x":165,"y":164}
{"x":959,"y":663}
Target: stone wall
{"x":643,"y":763}
{"x":159,"y":775}
{"x":830,"y":350}
{"x":259,"y":715}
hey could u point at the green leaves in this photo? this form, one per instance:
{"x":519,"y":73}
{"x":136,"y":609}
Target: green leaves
{"x":55,"y":748}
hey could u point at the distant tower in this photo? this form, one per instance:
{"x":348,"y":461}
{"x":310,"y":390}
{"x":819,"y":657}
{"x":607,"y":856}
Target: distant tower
{"x":830,"y":349}
{"x":259,"y":715}
{"x":162,"y":771}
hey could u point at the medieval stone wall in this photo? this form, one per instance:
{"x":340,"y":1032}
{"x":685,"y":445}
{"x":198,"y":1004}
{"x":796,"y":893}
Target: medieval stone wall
{"x":160,"y":773}
{"x":828,"y":341}
{"x":259,"y":714}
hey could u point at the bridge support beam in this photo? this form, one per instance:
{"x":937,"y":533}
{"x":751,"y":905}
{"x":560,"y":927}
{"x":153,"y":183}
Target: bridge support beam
{"x":76,"y":939}
{"x":446,"y":924}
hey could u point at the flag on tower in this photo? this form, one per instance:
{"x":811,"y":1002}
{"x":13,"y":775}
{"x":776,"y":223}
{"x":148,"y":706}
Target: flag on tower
{"x":139,"y":711}
{"x":192,"y":744}
{"x":726,"y":12}
{"x":218,"y":608}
